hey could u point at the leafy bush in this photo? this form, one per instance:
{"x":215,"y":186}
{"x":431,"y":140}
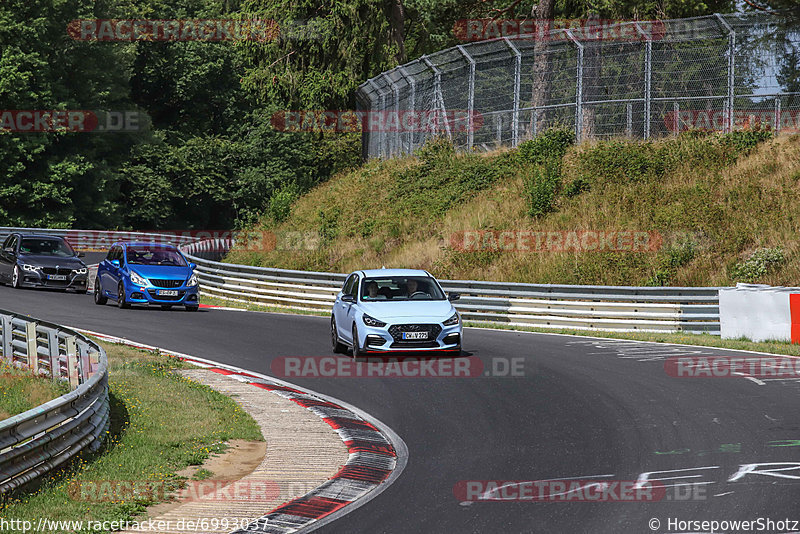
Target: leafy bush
{"x":760,"y":263}
{"x":676,"y":256}
{"x":550,"y":145}
{"x":280,"y":205}
{"x":576,"y":187}
{"x":544,"y":154}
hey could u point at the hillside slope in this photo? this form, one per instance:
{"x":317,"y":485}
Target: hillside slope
{"x":716,"y":209}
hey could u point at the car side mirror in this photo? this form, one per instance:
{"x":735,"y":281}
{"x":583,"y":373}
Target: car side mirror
{"x":115,"y":263}
{"x":81,"y":254}
{"x":348,"y":298}
{"x":193,"y":266}
{"x":453,"y":296}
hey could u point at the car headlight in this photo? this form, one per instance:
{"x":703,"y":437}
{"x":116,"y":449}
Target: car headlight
{"x":371,"y":321}
{"x":32,"y":268}
{"x":80,"y":271}
{"x":192,"y":280}
{"x":452,"y":320}
{"x":137,"y":280}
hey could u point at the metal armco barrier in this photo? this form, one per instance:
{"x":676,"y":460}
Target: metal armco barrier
{"x":35,"y":442}
{"x":610,"y":308}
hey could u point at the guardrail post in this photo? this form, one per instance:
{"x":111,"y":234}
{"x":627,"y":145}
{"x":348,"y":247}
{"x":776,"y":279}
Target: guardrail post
{"x":8,"y":350}
{"x":32,"y":352}
{"x":72,"y":361}
{"x":52,"y":348}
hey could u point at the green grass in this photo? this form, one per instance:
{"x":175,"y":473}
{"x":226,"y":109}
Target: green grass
{"x":721,"y":209}
{"x":161,"y":423}
{"x":20,"y":390}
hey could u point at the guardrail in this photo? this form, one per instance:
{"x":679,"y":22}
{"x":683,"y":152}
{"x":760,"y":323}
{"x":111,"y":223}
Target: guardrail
{"x":35,"y":442}
{"x":610,"y":308}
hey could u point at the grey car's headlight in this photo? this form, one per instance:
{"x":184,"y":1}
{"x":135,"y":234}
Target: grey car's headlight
{"x":80,"y":271}
{"x":371,"y":321}
{"x":192,"y":280}
{"x":32,"y":268}
{"x":452,"y":320}
{"x":138,"y":280}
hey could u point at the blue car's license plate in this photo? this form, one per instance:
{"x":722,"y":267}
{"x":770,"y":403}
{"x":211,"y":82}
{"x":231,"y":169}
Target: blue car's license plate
{"x":415,"y":335}
{"x":167,"y":293}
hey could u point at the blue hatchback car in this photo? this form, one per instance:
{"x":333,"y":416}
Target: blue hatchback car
{"x":146,"y":273}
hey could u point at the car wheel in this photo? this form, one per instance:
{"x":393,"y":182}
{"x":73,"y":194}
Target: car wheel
{"x":358,"y":354}
{"x":121,"y":302}
{"x":192,"y":308}
{"x":99,"y":298}
{"x":15,"y":283}
{"x":166,"y":306}
{"x":338,"y":346}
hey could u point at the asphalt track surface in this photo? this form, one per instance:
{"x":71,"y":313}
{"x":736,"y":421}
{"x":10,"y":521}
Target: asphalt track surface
{"x":584,"y":408}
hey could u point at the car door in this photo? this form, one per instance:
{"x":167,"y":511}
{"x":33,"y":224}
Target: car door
{"x":5,"y":259}
{"x":108,"y":273}
{"x":341,"y":307}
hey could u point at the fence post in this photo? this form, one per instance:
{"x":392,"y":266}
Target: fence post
{"x":648,"y":77}
{"x":578,"y":88}
{"x":394,"y":136}
{"x":470,"y":97}
{"x":368,"y":126}
{"x":517,"y":84}
{"x":412,"y":103}
{"x":32,"y":352}
{"x":731,"y":68}
{"x":676,"y":111}
{"x":777,"y":115}
{"x":72,"y":361}
{"x":629,"y":119}
{"x":437,"y":91}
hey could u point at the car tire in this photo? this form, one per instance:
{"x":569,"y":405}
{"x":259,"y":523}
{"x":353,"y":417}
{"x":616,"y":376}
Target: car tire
{"x":15,"y":278}
{"x":338,"y":346}
{"x":192,"y":308}
{"x":121,"y":302}
{"x":166,"y":307}
{"x":358,"y":354}
{"x":99,"y":298}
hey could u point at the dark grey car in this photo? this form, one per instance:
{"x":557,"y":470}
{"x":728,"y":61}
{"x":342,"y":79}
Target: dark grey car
{"x":41,"y":261}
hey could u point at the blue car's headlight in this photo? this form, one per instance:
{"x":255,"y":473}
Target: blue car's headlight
{"x":192,"y":280}
{"x":452,"y":320}
{"x":32,"y":268}
{"x":371,"y":321}
{"x":138,"y":280}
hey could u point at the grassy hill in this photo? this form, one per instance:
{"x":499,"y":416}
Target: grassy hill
{"x":724,"y":208}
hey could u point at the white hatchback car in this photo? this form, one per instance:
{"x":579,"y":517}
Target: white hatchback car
{"x":394,"y":310}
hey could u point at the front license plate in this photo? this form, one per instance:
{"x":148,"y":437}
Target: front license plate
{"x":415,"y":335}
{"x":57,"y":277}
{"x":167,"y":293}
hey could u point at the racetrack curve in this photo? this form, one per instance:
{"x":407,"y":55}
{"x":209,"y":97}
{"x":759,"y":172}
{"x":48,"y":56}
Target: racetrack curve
{"x":585,"y":407}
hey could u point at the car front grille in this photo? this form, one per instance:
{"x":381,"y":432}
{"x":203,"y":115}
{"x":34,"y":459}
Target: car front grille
{"x":53,"y":270}
{"x":433,"y":330}
{"x":166,"y":283}
{"x":154,"y":295}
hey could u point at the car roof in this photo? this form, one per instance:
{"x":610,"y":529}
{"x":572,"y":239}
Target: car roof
{"x":40,"y":236}
{"x":378,"y":273}
{"x":144,"y":244}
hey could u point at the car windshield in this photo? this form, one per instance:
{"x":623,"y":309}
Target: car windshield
{"x":46,"y":247}
{"x":396,"y":288}
{"x":155,"y":255}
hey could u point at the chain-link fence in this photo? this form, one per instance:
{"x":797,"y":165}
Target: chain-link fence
{"x":719,"y":72}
